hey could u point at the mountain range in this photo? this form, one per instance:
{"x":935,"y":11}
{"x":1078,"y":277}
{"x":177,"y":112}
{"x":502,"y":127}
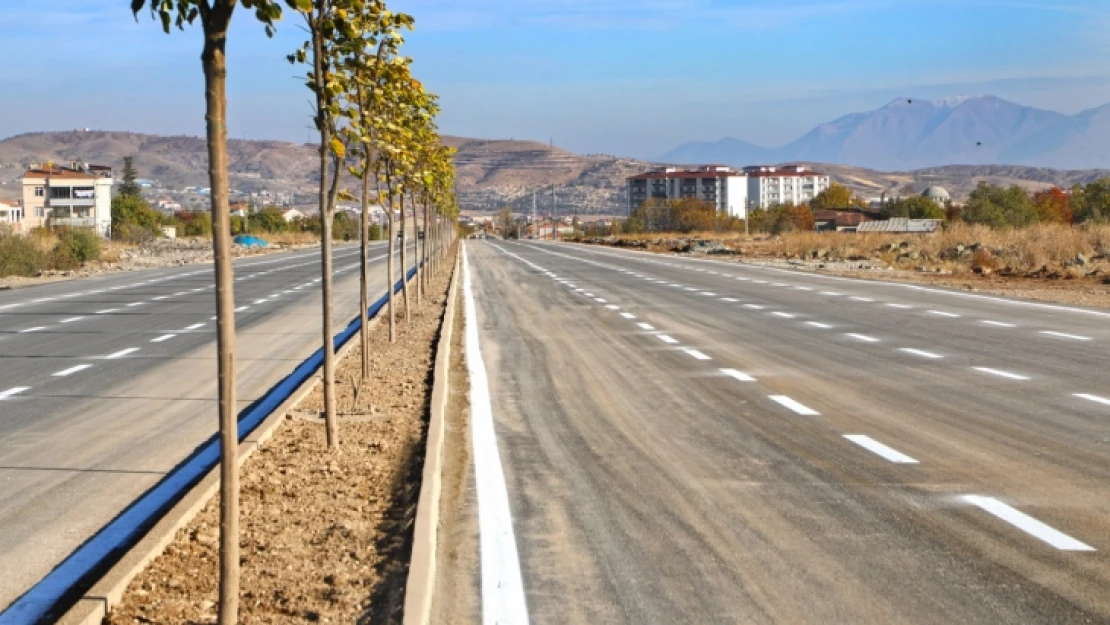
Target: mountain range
{"x":911,"y":133}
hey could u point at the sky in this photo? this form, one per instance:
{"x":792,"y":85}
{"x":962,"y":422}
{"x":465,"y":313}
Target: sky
{"x":625,"y":77}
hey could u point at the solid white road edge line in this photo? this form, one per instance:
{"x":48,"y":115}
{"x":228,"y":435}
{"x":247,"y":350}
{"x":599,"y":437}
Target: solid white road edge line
{"x":796,"y":406}
{"x":880,"y":449}
{"x":502,"y":586}
{"x":1026,"y":523}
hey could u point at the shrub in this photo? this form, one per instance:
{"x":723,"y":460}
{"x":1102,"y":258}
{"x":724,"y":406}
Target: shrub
{"x":81,"y":243}
{"x":132,"y":233}
{"x":19,"y":256}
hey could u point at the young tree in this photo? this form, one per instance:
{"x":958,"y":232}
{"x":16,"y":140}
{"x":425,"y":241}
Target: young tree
{"x":836,"y":196}
{"x":130,"y":186}
{"x":999,"y":207}
{"x":215,"y":18}
{"x":1091,"y":203}
{"x":1053,"y":206}
{"x":914,"y":207}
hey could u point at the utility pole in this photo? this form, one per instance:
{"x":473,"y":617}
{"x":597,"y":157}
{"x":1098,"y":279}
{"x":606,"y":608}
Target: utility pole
{"x":554,"y":212}
{"x":535,"y":226}
{"x":747,"y":215}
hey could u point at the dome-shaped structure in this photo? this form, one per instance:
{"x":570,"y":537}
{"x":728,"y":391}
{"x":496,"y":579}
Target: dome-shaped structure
{"x":937,"y":194}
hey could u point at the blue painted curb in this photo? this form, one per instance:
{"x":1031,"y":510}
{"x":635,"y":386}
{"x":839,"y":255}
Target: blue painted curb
{"x":48,"y":600}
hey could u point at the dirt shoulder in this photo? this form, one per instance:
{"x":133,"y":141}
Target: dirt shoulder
{"x":325,"y":537}
{"x":1066,"y":265}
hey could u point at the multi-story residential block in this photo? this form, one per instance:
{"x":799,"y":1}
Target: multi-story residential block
{"x":789,"y":184}
{"x":78,"y":195}
{"x":721,"y":186}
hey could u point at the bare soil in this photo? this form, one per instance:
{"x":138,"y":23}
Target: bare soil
{"x":326,"y":536}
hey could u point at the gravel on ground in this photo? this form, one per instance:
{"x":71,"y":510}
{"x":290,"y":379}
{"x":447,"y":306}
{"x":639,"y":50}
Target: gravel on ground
{"x":326,"y":536}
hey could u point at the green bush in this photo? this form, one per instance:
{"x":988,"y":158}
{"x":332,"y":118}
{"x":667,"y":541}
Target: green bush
{"x":132,"y":233}
{"x":80,"y":243}
{"x":375,"y":232}
{"x":19,"y":256}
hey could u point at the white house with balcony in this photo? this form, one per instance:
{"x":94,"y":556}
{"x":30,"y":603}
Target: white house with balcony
{"x":787,"y":184}
{"x":78,"y":195}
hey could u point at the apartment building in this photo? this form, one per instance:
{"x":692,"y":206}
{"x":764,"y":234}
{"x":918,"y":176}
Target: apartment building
{"x":720,"y":185}
{"x":788,"y":184}
{"x":78,"y":195}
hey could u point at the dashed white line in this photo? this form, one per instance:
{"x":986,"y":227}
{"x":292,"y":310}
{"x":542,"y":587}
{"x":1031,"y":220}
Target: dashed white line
{"x":1094,"y":398}
{"x":107,"y":311}
{"x":1064,"y":335}
{"x":195,"y":326}
{"x":628,"y":315}
{"x":733,"y":373}
{"x":731,"y":300}
{"x":613,"y":307}
{"x":241,"y":308}
{"x":941,"y":313}
{"x":71,"y":320}
{"x":863,"y":337}
{"x":121,"y":353}
{"x":998,"y":324}
{"x":34,"y":329}
{"x":164,"y":337}
{"x":880,"y":449}
{"x":861,"y":299}
{"x":784,"y":315}
{"x":1026,"y":523}
{"x":794,"y":405}
{"x":13,"y":391}
{"x":667,"y":339}
{"x":708,"y":294}
{"x":900,"y":306}
{"x":919,"y":352}
{"x":696,"y":354}
{"x":831,"y":293}
{"x":803,"y":288}
{"x":159,"y":298}
{"x":600,"y":300}
{"x":646,"y":326}
{"x":818,"y":324}
{"x":1001,"y":374}
{"x":66,"y":372}
{"x":754,"y":306}
{"x":134,"y":304}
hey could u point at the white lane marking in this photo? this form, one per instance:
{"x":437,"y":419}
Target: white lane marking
{"x":259,"y":301}
{"x":783,"y":315}
{"x":708,"y":294}
{"x":863,"y":337}
{"x":901,"y":306}
{"x":134,"y":304}
{"x":195,"y":326}
{"x":1064,"y":335}
{"x":43,"y":299}
{"x":107,"y":311}
{"x":861,"y":299}
{"x":796,"y":406}
{"x":667,"y":339}
{"x":803,"y":288}
{"x":676,"y":285}
{"x":689,"y":288}
{"x":1001,"y":374}
{"x":760,"y":281}
{"x":941,"y":313}
{"x":121,"y":353}
{"x":71,"y":320}
{"x":646,"y":326}
{"x":65,"y":372}
{"x":818,"y":324}
{"x":34,"y":329}
{"x":600,"y":300}
{"x":696,"y":354}
{"x":7,"y":306}
{"x":998,"y":324}
{"x":1026,"y":523}
{"x":742,"y":279}
{"x":1094,"y":398}
{"x":733,"y":373}
{"x":159,"y":298}
{"x":778,"y":284}
{"x":919,"y":352}
{"x":588,"y":294}
{"x":831,"y":293}
{"x":754,"y":306}
{"x":502,"y":586}
{"x":180,"y":293}
{"x":613,"y":307}
{"x":731,"y":300}
{"x":13,"y":391}
{"x":628,"y":315}
{"x":878,"y":448}
{"x":164,"y":337}
{"x":241,"y":308}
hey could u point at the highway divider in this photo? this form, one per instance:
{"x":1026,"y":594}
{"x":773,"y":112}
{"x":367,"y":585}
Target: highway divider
{"x":70,"y":582}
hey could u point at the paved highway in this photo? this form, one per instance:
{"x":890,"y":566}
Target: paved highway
{"x":690,"y":441}
{"x":107,"y":383}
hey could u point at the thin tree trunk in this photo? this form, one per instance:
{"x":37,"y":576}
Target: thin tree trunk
{"x":330,"y":426}
{"x":404,"y":281}
{"x":213,"y":59}
{"x":416,"y":252}
{"x":363,"y":271}
{"x":390,"y":281}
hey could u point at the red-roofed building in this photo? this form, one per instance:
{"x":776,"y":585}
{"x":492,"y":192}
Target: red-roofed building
{"x":78,"y":195}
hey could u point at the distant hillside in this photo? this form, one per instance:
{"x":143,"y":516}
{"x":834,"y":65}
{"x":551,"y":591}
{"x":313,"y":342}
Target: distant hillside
{"x":491,"y":173}
{"x":911,"y":133}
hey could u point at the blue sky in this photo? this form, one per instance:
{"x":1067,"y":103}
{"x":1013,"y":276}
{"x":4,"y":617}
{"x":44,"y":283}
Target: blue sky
{"x":629,"y":77}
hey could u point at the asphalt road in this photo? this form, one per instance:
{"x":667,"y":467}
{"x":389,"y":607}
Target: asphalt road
{"x":107,"y":383}
{"x":691,"y":441}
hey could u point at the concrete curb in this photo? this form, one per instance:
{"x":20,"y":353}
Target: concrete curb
{"x":420,"y":585}
{"x":108,"y":591}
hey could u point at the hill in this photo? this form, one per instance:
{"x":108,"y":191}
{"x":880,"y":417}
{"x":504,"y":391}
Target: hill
{"x":491,"y":173}
{"x":911,"y":133}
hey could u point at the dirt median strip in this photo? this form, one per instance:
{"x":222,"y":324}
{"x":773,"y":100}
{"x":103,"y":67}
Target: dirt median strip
{"x":325,"y":537}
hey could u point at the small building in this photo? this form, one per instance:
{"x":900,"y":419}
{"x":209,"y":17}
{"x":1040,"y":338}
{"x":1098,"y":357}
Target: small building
{"x":78,"y":195}
{"x":11,"y":215}
{"x":902,"y":225}
{"x":291,"y":214}
{"x":839,"y":220}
